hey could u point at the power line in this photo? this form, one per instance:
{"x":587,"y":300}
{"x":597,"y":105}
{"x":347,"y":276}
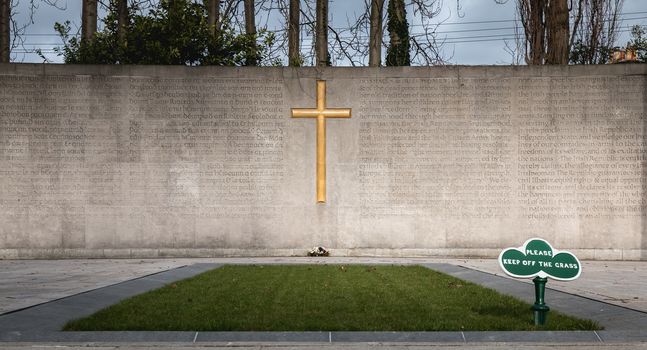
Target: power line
{"x":418,"y":25}
{"x":516,"y":20}
{"x":478,"y":41}
{"x":451,"y":40}
{"x":501,"y":36}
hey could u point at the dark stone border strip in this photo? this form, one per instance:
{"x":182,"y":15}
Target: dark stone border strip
{"x":103,"y":337}
{"x":305,"y":337}
{"x":329,"y":337}
{"x":531,"y":337}
{"x":41,"y":323}
{"x":393,"y":337}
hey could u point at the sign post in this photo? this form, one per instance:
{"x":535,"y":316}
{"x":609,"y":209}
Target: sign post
{"x":540,"y":309}
{"x":539,"y":260}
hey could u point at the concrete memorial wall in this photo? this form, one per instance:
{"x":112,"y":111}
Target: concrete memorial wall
{"x":124,"y":161}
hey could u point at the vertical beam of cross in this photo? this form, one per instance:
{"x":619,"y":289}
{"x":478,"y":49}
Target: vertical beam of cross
{"x":321,"y":113}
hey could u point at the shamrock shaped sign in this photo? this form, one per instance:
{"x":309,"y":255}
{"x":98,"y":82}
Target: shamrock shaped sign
{"x":538,"y":258}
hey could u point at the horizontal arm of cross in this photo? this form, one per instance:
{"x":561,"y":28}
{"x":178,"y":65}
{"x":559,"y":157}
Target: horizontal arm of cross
{"x":328,"y":112}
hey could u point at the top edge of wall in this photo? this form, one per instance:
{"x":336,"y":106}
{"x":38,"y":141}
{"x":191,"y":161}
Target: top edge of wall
{"x":170,"y":72}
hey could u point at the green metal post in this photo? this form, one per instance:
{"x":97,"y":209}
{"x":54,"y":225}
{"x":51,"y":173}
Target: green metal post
{"x":540,"y":308}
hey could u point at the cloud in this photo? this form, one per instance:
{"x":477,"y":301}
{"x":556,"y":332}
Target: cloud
{"x":538,"y":258}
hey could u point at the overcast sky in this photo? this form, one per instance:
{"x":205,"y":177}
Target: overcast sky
{"x":476,"y":36}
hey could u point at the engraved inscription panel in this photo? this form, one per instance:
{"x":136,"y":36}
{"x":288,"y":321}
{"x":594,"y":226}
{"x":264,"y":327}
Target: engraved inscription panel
{"x":581,"y":148}
{"x":492,"y":159}
{"x":436,"y":146}
{"x":114,"y":162}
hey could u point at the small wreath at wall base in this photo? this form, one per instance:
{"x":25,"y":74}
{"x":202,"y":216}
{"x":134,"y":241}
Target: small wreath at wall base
{"x":319,"y":251}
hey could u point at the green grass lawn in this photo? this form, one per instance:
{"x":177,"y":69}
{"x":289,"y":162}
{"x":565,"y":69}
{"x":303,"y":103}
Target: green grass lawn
{"x":322,"y":298}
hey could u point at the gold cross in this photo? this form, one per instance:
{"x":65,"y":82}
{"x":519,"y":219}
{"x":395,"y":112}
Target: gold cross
{"x":321,"y":113}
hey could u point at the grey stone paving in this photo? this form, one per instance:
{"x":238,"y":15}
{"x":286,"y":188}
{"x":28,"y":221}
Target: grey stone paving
{"x":333,"y":346}
{"x":622,"y":283}
{"x":27,"y":283}
{"x":612,"y":317}
{"x":42,"y":322}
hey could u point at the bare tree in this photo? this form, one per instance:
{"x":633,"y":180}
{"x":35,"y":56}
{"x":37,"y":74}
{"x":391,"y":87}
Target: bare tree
{"x":250,"y":17}
{"x":551,"y":38}
{"x":213,"y":15}
{"x":5,"y":31}
{"x":235,"y":15}
{"x":230,"y":10}
{"x":398,"y":51}
{"x":308,"y":30}
{"x":577,"y":9}
{"x":88,"y":19}
{"x":557,"y":32}
{"x":321,"y":34}
{"x":122,"y":19}
{"x":349,"y":43}
{"x":294,"y":54}
{"x":250,"y":30}
{"x":426,"y":47}
{"x":546,"y":30}
{"x":375,"y":37}
{"x":16,"y":31}
{"x":597,"y":31}
{"x":531,"y":13}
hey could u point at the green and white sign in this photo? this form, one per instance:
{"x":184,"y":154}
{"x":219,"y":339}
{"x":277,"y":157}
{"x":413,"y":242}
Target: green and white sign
{"x":537,"y":258}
